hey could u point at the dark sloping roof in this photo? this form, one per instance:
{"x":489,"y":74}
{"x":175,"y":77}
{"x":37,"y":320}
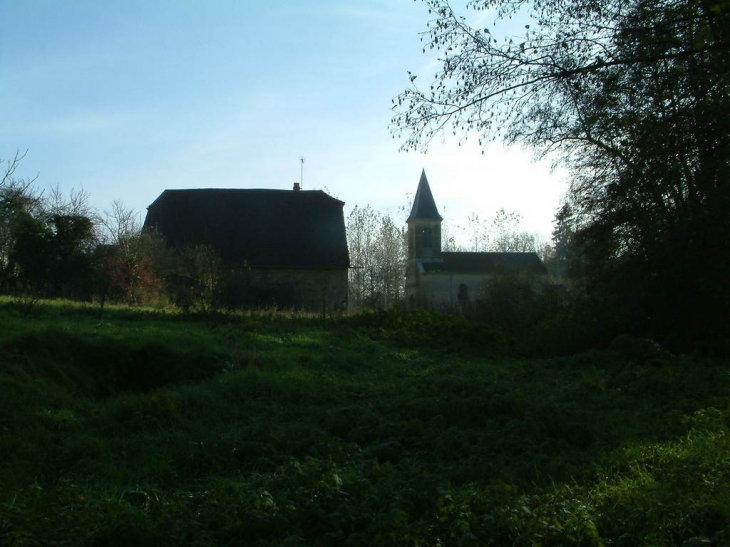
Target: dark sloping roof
{"x":424,"y":206}
{"x":264,"y":228}
{"x":485,"y":263}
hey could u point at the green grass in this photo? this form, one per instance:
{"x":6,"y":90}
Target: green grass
{"x":153,"y":428}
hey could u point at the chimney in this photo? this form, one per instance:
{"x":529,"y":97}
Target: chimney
{"x":296,"y":187}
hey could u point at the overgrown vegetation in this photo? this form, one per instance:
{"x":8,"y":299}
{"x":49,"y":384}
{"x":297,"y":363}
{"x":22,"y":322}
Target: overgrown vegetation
{"x":632,"y":97}
{"x":158,"y":428}
{"x":378,"y":254}
{"x":56,"y":246}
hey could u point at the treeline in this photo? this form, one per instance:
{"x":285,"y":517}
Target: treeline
{"x":57,"y":246}
{"x":378,"y":253}
{"x":576,"y":307}
{"x":633,"y":98}
{"x":378,"y":247}
{"x":54,"y":245}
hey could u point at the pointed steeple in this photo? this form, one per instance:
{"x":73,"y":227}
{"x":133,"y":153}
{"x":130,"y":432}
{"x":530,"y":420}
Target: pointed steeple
{"x":424,"y":206}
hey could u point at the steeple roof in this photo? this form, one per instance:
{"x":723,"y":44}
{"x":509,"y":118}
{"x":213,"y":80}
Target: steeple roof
{"x":424,"y":207}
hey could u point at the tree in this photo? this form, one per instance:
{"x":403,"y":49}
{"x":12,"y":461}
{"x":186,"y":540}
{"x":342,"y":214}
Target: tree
{"x":507,"y":235}
{"x":132,"y":264}
{"x":29,"y":258}
{"x":51,"y":255}
{"x":18,"y":203}
{"x":46,"y":242}
{"x":633,"y":96}
{"x":8,"y":178}
{"x":199,"y":277}
{"x":565,"y":261}
{"x":504,"y":234}
{"x":478,"y":233}
{"x":119,"y":225}
{"x":378,"y":257}
{"x":72,"y":244}
{"x":360,"y":242}
{"x":448,"y":239}
{"x":390,"y":258}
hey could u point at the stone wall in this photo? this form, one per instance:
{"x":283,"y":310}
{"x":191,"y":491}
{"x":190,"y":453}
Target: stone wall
{"x":303,"y":289}
{"x":442,"y":291}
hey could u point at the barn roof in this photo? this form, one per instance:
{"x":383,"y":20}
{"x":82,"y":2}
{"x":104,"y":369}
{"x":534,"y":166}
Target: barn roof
{"x":485,"y":263}
{"x":424,"y":206}
{"x":264,"y":228}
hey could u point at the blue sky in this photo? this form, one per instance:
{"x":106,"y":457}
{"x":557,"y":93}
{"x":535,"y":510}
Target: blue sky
{"x":127,"y":98}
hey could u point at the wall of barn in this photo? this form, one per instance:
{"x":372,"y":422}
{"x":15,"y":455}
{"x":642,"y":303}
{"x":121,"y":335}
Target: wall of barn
{"x":301,"y":289}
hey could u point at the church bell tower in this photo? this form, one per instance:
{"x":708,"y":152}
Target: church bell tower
{"x":424,"y":238}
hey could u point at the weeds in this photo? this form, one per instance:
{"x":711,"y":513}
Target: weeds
{"x":152,"y":428}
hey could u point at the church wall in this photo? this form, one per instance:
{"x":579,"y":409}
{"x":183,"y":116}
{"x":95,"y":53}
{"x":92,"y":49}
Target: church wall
{"x":440,"y":291}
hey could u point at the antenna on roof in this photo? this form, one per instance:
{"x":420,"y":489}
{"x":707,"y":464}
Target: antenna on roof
{"x":301,"y":172}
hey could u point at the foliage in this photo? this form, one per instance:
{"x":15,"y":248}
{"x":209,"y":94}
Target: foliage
{"x":46,"y":242}
{"x":198,"y":279}
{"x":57,"y":246}
{"x":134,"y":270}
{"x":633,"y":97}
{"x":418,"y":328}
{"x":377,"y":257}
{"x":378,"y":251}
{"x":132,"y":264}
{"x":51,"y":253}
{"x":17,"y":203}
{"x":269,"y":430}
{"x":502,"y":235}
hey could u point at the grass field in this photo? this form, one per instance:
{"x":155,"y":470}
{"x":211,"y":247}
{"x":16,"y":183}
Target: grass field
{"x":153,"y":428}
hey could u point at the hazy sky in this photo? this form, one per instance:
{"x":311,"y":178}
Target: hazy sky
{"x":125,"y":98}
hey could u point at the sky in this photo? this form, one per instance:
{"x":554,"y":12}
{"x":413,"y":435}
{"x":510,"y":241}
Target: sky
{"x":126,"y":98}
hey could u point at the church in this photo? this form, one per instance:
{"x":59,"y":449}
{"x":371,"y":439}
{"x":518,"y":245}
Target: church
{"x":452,"y":281}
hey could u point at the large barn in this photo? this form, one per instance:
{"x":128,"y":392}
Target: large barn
{"x":452,"y":280}
{"x":286,"y":248}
